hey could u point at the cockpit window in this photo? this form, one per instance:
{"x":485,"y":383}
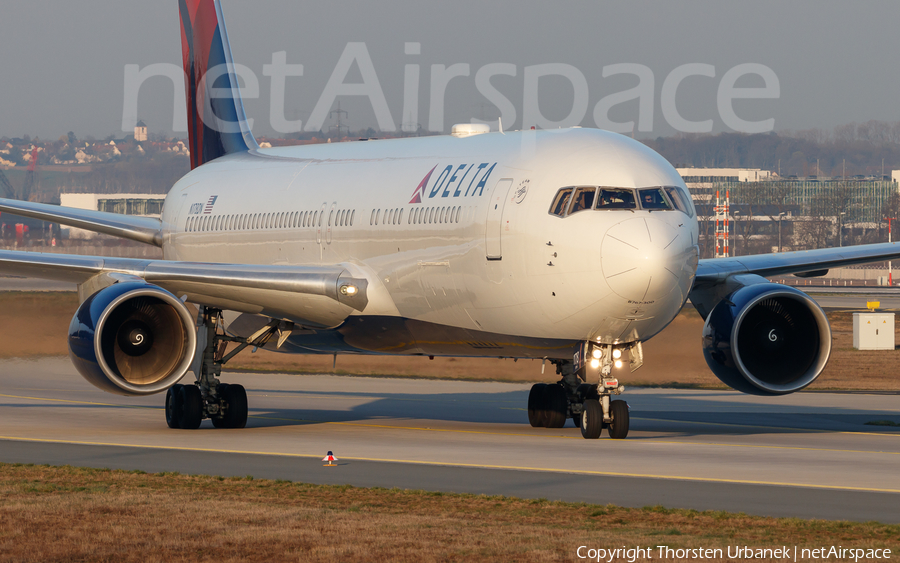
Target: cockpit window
{"x":680,"y":199}
{"x":653,"y":198}
{"x":560,"y":202}
{"x":584,"y":199}
{"x":613,"y":198}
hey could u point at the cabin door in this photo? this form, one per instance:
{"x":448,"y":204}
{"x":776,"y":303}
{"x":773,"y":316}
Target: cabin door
{"x":493,"y":226}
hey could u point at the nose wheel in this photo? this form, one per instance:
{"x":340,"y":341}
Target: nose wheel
{"x":590,"y":406}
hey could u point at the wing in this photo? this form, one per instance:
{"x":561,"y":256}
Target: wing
{"x":717,"y":270}
{"x":719,"y":277}
{"x":319,"y":296}
{"x":142,"y":229}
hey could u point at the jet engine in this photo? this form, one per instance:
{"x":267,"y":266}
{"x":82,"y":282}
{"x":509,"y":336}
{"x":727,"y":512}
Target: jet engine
{"x":767,"y":339}
{"x":132,"y":338}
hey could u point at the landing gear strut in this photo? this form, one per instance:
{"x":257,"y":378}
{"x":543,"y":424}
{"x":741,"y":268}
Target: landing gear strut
{"x":590,"y":406}
{"x":225,"y":404}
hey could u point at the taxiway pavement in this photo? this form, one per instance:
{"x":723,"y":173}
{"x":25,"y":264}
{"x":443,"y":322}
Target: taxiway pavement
{"x":805,"y":455}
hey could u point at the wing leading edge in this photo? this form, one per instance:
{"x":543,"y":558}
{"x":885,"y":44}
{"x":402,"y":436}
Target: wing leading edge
{"x":142,"y":229}
{"x":717,"y":278}
{"x":311,"y":295}
{"x":717,"y":270}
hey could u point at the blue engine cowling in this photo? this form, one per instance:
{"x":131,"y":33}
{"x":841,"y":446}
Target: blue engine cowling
{"x":132,"y":338}
{"x":767,"y":339}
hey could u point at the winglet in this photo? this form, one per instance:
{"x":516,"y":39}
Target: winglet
{"x":216,"y":120}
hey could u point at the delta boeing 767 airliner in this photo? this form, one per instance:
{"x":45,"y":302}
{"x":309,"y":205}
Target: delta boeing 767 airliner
{"x":572,"y":246}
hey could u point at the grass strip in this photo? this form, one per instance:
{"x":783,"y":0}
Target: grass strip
{"x":77,"y":514}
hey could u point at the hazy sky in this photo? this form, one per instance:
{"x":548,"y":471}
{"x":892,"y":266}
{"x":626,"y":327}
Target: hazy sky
{"x":62,"y":67}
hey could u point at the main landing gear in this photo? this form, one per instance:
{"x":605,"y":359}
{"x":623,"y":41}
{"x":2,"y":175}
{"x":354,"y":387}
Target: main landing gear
{"x":590,"y":406}
{"x":225,"y":404}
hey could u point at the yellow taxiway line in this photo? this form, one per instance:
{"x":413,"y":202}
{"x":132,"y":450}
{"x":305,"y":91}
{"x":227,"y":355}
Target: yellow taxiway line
{"x":471,"y":465}
{"x":525,"y":435}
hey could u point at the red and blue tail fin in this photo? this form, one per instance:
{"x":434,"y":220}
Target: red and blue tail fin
{"x":216,"y":120}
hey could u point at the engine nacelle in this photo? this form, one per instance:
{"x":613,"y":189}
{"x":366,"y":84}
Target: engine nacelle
{"x":767,"y":339}
{"x":132,"y":339}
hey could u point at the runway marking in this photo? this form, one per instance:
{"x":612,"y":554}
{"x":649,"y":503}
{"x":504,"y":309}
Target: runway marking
{"x":652,"y":419}
{"x":785,"y":428}
{"x":82,"y":402}
{"x":470,"y":465}
{"x":667,"y":442}
{"x":523,"y":434}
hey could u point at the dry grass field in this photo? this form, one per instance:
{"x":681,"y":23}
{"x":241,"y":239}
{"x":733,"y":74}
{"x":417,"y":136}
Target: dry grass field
{"x":35,"y":324}
{"x":70,"y":514}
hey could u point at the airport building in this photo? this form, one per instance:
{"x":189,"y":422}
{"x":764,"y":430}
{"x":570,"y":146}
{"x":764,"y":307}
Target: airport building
{"x":715,"y":175}
{"x":145,"y":205}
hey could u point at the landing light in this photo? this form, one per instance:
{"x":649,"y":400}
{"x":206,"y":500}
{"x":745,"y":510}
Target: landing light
{"x":598,"y":353}
{"x":617,"y":353}
{"x":618,"y":364}
{"x":349,"y":290}
{"x":595,"y":363}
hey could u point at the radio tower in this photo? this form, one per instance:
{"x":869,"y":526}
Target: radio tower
{"x":722,"y":210}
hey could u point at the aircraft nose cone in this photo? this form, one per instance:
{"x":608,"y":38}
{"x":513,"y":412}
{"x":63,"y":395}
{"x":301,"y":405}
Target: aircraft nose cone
{"x":643,"y":259}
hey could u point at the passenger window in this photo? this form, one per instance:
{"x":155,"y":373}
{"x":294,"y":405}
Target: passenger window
{"x":560,"y":202}
{"x":653,"y":198}
{"x":612,"y":198}
{"x":584,"y":199}
{"x":400,"y":220}
{"x":352,"y":217}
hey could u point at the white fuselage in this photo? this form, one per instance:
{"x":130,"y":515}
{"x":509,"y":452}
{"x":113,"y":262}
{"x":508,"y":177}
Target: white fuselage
{"x":473,"y":249}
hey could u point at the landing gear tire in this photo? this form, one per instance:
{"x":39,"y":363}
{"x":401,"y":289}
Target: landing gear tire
{"x":591,"y":419}
{"x":585,"y":391}
{"x":537,"y":404}
{"x":192,"y":407}
{"x":618,"y":412}
{"x":174,"y":406}
{"x":219,"y":421}
{"x":556,"y":406}
{"x":235,"y":398}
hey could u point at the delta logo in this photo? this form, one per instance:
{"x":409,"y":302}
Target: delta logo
{"x":452,"y":179}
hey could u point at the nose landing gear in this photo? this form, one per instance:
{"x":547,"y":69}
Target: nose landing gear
{"x":590,"y":406}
